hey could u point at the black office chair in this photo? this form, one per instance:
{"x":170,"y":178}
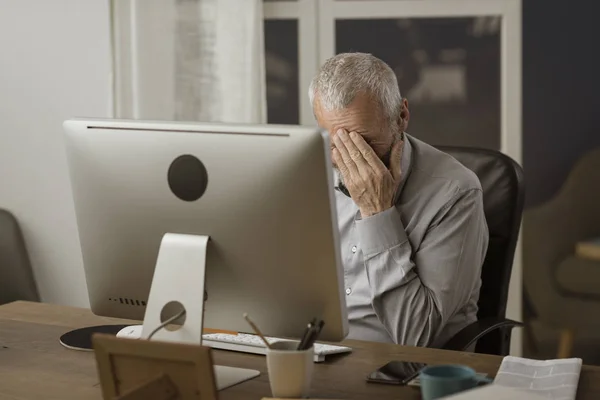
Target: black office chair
{"x":503,"y":197}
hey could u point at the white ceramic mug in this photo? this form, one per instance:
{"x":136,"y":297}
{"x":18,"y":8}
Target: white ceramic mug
{"x":290,"y":370}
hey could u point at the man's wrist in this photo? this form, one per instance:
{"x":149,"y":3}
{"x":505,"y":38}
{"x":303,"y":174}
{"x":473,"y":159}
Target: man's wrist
{"x":381,"y":232}
{"x":369,"y":212}
{"x":365,"y":213}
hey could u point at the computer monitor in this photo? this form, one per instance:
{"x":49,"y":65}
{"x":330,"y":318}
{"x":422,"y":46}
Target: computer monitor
{"x":263,"y":193}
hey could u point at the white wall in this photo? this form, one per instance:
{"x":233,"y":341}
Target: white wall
{"x":55,"y":63}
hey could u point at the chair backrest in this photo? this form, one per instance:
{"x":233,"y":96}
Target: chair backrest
{"x":503,"y":198}
{"x":551,"y":231}
{"x":16,"y":275}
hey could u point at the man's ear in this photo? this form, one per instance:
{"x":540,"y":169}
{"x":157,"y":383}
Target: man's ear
{"x":404,"y":115}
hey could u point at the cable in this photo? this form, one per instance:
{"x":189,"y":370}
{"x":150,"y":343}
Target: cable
{"x":167,"y":322}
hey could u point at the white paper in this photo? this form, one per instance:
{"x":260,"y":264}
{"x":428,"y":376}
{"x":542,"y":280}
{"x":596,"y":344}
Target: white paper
{"x":552,"y":379}
{"x":495,"y":392}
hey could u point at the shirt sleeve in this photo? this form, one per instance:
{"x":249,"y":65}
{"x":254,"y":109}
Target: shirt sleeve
{"x":414,"y":292}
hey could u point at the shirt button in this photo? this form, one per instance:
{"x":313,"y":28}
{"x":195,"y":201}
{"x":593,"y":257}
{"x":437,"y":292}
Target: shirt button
{"x":354,"y":249}
{"x":348,"y":291}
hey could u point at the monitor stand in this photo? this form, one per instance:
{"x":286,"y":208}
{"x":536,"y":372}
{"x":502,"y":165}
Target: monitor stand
{"x":179,"y":282}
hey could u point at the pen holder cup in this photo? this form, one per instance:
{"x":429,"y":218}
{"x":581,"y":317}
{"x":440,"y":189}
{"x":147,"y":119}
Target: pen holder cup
{"x":290,"y":370}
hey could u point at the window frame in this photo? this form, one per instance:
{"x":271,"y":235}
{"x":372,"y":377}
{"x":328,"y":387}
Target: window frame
{"x":305,"y":12}
{"x":510,"y":78}
{"x":316,"y":33}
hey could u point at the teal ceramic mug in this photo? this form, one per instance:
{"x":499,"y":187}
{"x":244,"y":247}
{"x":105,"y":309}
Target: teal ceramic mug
{"x":443,"y":380}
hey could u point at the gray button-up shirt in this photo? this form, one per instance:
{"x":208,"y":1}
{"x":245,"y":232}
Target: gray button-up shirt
{"x":412,"y":272}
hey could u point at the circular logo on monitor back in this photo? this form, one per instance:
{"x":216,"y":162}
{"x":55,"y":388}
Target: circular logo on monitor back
{"x":187,"y":178}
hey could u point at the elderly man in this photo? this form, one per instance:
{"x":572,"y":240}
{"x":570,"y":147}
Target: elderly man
{"x":411,"y":219}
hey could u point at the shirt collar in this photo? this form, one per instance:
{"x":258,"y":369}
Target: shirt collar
{"x":405,"y":165}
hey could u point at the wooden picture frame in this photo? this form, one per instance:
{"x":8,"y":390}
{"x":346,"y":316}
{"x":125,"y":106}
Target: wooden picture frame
{"x":132,"y":369}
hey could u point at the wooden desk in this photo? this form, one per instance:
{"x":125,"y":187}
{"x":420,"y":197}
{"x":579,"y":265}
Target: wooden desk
{"x":33,"y":365}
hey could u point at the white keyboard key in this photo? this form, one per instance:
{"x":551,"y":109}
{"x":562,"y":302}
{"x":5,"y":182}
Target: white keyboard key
{"x":247,"y":343}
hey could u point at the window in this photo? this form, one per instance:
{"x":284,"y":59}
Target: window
{"x":458,"y":63}
{"x":282,"y":68}
{"x":447,"y":68}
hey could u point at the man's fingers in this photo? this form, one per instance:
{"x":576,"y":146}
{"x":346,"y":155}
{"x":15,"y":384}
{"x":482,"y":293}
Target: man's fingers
{"x":350,"y":147}
{"x":396,"y":159}
{"x":341,"y":166}
{"x":347,"y":159}
{"x":339,"y":163}
{"x":366,"y":151}
{"x":362,"y":168}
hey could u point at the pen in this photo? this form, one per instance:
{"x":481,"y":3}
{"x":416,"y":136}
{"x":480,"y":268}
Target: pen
{"x":315,"y":335}
{"x":311,"y":334}
{"x":321,"y":325}
{"x":306,"y":334}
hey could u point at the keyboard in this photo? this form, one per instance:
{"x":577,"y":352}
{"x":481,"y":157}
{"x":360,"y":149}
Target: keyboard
{"x":247,"y":343}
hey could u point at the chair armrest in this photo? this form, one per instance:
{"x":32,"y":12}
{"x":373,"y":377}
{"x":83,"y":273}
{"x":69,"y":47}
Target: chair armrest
{"x":471,"y":333}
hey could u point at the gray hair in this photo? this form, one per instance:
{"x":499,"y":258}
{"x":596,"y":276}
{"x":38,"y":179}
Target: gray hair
{"x":345,"y":75}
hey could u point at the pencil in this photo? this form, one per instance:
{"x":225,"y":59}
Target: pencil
{"x":256,"y":330}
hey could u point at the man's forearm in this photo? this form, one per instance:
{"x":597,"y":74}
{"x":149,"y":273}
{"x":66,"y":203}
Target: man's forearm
{"x":414,"y":292}
{"x":402,"y":303}
{"x":404,"y":306}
